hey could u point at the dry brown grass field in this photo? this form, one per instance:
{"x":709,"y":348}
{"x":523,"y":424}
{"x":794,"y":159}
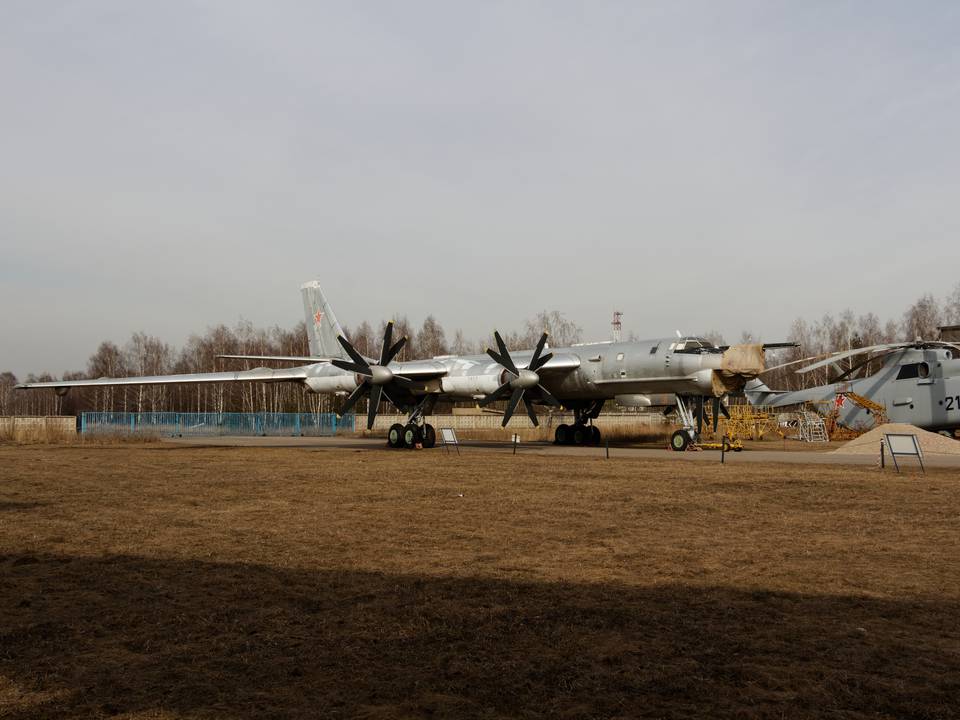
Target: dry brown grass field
{"x":159,"y":581}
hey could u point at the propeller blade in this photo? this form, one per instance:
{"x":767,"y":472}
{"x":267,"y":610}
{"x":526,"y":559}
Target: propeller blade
{"x":505,"y":354}
{"x":834,"y":357}
{"x":354,"y":355}
{"x":547,"y":397}
{"x":530,"y":412}
{"x":699,"y":413}
{"x":373,"y":405}
{"x":536,"y":353}
{"x":715,"y":414}
{"x":725,"y":411}
{"x":352,"y":399}
{"x":397,"y":347}
{"x":389,"y":397}
{"x":511,"y":406}
{"x":351,"y":367}
{"x":541,"y":362}
{"x":385,"y":346}
{"x":497,"y":394}
{"x":403,"y":381}
{"x":498,"y":359}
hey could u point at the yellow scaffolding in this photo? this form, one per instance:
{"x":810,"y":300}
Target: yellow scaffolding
{"x":875,"y":410}
{"x":747,"y":422}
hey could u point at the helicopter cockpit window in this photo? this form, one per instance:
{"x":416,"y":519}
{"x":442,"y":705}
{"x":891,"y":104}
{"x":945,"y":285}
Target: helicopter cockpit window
{"x":913,"y":370}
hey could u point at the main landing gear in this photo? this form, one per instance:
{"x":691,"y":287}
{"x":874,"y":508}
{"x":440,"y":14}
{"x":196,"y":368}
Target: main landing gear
{"x":417,"y":431}
{"x":411,"y":435}
{"x":583,"y":431}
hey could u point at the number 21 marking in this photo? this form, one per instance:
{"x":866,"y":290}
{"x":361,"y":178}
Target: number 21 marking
{"x":950,"y":403}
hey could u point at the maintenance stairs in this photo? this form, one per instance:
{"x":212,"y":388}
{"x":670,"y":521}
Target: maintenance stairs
{"x":812,"y":428}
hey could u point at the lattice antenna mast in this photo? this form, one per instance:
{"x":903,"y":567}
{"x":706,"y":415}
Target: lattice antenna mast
{"x":617,"y":325}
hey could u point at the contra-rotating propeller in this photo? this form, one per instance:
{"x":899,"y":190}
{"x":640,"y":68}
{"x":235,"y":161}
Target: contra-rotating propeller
{"x":376,"y":378}
{"x":518,"y":383}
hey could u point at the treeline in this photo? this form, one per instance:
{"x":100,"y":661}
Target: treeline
{"x":144,"y":354}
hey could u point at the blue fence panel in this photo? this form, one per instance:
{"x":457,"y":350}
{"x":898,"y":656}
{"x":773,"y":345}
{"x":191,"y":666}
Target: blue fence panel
{"x":213,"y":424}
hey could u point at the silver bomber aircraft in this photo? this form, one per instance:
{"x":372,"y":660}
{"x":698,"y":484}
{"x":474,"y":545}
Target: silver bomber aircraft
{"x":917,"y":383}
{"x":581,"y":378}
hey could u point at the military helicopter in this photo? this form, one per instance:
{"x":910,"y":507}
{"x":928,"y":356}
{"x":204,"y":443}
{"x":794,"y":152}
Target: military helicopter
{"x":917,"y":383}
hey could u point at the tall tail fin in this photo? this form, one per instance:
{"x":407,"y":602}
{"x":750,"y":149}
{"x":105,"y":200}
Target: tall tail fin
{"x":322,"y":325}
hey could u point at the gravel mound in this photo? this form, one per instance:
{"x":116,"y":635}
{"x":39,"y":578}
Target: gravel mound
{"x":869,"y":443}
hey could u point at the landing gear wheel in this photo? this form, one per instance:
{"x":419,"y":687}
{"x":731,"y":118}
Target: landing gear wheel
{"x":595,"y":432}
{"x":562,"y":436}
{"x":581,"y":433}
{"x":429,"y":436}
{"x":412,"y":436}
{"x":679,"y":441}
{"x":395,"y":436}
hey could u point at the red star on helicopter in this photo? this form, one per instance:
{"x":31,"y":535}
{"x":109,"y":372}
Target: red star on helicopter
{"x":318,"y":317}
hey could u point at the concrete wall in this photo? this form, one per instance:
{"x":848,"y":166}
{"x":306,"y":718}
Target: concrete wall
{"x":38,"y":429}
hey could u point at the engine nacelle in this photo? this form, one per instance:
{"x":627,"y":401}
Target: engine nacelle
{"x":339,"y":383}
{"x":471,"y":385}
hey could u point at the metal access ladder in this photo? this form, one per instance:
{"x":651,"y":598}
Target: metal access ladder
{"x":812,"y":428}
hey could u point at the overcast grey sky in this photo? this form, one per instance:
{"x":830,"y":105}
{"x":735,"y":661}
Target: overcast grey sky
{"x":170,"y":165}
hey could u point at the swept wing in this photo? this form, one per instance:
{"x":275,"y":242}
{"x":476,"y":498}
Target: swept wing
{"x":256,"y":375}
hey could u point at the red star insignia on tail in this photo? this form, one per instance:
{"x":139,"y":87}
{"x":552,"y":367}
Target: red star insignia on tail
{"x":318,"y":317}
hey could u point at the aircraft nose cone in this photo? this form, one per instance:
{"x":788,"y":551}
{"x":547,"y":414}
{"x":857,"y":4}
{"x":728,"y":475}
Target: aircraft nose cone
{"x":380,"y":375}
{"x":526,"y":379}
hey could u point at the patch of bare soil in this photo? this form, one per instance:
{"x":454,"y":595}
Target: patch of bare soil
{"x":172,"y":582}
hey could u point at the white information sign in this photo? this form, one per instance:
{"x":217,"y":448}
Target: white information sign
{"x":448,"y":436}
{"x":904,"y":445}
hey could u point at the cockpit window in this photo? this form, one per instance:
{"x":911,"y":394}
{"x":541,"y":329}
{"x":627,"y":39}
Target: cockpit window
{"x":695,"y":345}
{"x":913,"y":370}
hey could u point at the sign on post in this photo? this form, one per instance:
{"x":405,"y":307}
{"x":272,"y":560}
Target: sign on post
{"x":448,"y":437}
{"x":904,"y":445}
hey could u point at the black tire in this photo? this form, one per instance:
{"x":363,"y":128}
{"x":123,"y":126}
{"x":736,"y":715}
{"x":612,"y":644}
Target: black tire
{"x":395,"y":436}
{"x":429,"y":436}
{"x":412,"y":436}
{"x":581,"y":434}
{"x":679,"y":441}
{"x":595,"y":432}
{"x":562,"y":436}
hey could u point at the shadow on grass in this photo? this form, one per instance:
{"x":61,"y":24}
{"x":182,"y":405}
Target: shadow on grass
{"x":104,"y":636}
{"x":14,"y":506}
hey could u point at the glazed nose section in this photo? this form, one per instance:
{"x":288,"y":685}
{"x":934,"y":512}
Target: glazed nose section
{"x":380,"y":375}
{"x":526,"y":379}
